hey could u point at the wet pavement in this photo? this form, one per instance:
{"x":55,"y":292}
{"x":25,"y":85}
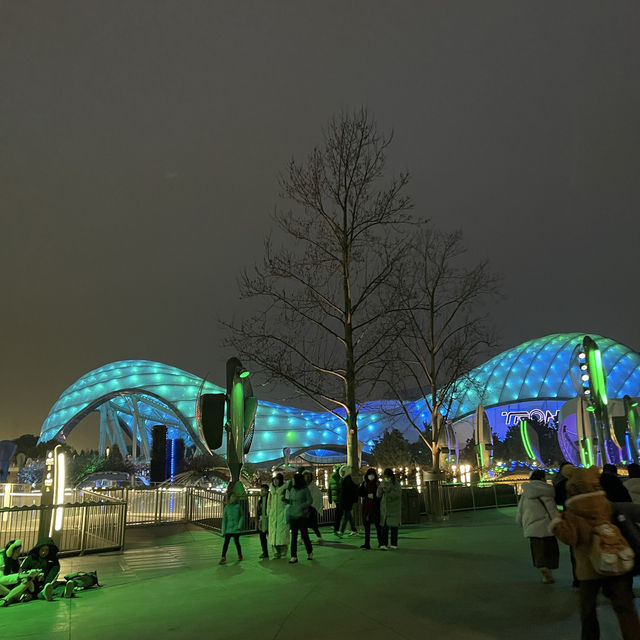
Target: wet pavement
{"x":469,"y":578}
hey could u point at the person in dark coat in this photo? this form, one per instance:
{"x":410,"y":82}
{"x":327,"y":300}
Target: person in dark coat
{"x":348,"y":497}
{"x":335,"y":486}
{"x":370,"y":506}
{"x":262,"y":518}
{"x":612,"y":485}
{"x":44,"y":557}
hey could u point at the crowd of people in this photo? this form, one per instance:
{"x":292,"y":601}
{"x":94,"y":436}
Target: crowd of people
{"x":36,"y":577}
{"x":579,"y":510}
{"x":288,"y":510}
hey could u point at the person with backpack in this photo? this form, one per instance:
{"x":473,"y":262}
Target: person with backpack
{"x":232,"y":521}
{"x":278,"y":526}
{"x":390,"y":496}
{"x":299,"y":500}
{"x":348,"y":497}
{"x":370,"y":506}
{"x":334,"y":494}
{"x":536,"y":509}
{"x":603,"y":557}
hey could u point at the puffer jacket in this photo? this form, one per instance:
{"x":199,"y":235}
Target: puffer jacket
{"x":299,"y":501}
{"x":335,"y":485}
{"x":536,"y":509}
{"x":575,"y":527}
{"x":232,"y":518}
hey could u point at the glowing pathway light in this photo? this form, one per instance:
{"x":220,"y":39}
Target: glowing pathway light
{"x":59,"y":486}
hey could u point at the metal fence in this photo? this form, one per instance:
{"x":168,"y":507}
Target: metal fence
{"x":91,"y":523}
{"x":458,"y":497}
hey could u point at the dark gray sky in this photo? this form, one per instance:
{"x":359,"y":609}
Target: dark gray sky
{"x":140,"y":144}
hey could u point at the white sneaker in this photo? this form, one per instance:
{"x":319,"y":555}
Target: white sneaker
{"x":383,"y":547}
{"x":293,"y":560}
{"x":47,"y":592}
{"x":393,"y":546}
{"x":353,"y":533}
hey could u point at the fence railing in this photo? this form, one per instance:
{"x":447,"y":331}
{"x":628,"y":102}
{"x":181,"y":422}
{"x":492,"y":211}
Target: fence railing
{"x":90,"y":523}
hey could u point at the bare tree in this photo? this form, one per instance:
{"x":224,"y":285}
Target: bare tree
{"x":325,"y":322}
{"x":445,"y":332}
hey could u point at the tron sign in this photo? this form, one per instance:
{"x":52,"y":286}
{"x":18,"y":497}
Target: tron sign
{"x":512,"y":418}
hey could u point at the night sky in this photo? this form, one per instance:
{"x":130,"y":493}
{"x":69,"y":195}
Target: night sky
{"x":140,"y":144}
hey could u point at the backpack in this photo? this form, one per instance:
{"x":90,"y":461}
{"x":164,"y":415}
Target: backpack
{"x":84,"y":579}
{"x":610,"y":553}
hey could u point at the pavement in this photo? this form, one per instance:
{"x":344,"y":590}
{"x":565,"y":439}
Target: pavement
{"x":469,"y":578}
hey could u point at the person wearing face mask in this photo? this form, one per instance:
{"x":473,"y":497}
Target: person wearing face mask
{"x":390,"y":496}
{"x":278,"y":525}
{"x":370,"y":506}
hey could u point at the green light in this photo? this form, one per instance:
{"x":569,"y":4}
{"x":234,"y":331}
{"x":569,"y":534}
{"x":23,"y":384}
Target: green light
{"x":525,"y":439}
{"x":600,"y":374}
{"x":244,"y":374}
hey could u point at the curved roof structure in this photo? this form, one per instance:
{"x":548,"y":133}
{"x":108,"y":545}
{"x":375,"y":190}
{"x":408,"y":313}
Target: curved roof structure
{"x":151,"y":393}
{"x":540,"y":370}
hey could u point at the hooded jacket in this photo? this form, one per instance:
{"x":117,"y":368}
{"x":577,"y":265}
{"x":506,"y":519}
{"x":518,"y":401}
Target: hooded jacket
{"x":390,"y":495}
{"x":9,"y":565}
{"x":348,"y":489}
{"x":49,"y":565}
{"x":335,"y":484}
{"x":278,"y":526}
{"x":299,"y":501}
{"x":536,"y":509}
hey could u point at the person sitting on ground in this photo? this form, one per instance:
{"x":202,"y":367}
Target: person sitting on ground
{"x":370,"y":506}
{"x":536,"y":509}
{"x":262,"y":517}
{"x":348,"y":497}
{"x":612,"y":484}
{"x":232,"y":521}
{"x":299,"y":501}
{"x":390,"y":496}
{"x":317,"y":504}
{"x":632,"y":485}
{"x":586,"y":508}
{"x":44,"y":558}
{"x":13,"y":583}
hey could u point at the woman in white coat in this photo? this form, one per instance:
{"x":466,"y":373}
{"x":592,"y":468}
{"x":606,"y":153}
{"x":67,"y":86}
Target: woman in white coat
{"x":536,"y":509}
{"x":278,"y":526}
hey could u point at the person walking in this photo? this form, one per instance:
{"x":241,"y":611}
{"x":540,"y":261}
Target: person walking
{"x":278,"y":526}
{"x":262,"y":518}
{"x":370,"y":506}
{"x":586,"y":508}
{"x":335,"y":487}
{"x":316,"y":507}
{"x":390,"y":496}
{"x":232,"y":521}
{"x":348,"y":497}
{"x":536,"y":509}
{"x":299,"y":500}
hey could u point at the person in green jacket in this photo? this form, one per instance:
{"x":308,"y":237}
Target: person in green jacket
{"x":232,"y":521}
{"x":299,"y":500}
{"x":390,"y":495}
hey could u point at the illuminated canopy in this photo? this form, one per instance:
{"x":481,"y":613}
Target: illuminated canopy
{"x":147,"y":393}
